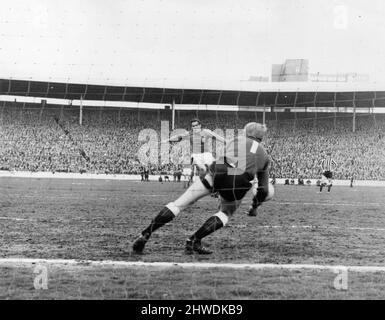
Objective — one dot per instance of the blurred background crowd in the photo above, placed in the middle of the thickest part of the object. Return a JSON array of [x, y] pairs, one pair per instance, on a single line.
[[31, 140]]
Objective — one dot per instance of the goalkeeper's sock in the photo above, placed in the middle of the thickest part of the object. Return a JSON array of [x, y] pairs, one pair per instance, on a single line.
[[212, 224], [163, 217]]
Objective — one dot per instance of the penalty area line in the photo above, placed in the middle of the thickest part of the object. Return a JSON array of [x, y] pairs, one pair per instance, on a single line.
[[27, 262], [320, 204], [13, 219], [315, 227]]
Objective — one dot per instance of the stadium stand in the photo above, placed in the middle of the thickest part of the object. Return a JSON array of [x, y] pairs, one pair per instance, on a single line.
[[30, 140]]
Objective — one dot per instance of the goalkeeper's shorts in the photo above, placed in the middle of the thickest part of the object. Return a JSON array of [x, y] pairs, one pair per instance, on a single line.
[[231, 187]]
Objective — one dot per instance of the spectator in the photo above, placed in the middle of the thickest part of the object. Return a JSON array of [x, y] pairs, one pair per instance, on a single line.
[[31, 141]]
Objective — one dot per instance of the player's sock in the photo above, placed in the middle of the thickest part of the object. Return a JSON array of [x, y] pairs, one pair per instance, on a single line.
[[212, 224], [321, 187], [329, 187], [168, 213]]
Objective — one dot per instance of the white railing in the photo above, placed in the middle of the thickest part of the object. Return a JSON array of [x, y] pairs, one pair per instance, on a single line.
[[133, 177]]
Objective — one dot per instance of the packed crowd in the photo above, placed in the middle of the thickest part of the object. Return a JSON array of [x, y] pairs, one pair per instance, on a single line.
[[31, 140]]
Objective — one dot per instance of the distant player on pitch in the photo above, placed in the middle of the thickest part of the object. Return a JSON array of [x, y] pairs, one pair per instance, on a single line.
[[230, 175], [327, 165]]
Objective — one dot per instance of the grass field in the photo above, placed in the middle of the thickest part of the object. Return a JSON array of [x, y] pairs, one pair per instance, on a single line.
[[98, 220]]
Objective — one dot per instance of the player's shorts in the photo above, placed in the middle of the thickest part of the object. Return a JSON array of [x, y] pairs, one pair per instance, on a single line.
[[328, 174], [202, 159], [327, 177], [187, 172], [231, 187]]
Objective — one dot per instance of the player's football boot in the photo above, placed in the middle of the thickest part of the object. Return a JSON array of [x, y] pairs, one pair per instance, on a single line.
[[195, 246], [252, 212], [140, 243]]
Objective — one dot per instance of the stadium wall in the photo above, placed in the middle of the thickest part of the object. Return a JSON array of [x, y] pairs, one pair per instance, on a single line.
[[132, 177]]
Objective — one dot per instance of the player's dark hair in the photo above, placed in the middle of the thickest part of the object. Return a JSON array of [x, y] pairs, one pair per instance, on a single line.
[[195, 120]]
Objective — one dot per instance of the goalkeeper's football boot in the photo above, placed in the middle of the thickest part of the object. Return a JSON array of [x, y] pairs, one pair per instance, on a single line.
[[252, 212], [195, 246], [140, 243]]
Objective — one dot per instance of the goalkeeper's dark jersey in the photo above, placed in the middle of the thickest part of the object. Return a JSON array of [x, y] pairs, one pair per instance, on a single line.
[[244, 159], [247, 155]]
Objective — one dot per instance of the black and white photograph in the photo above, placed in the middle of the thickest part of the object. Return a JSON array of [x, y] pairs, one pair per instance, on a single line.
[[209, 152]]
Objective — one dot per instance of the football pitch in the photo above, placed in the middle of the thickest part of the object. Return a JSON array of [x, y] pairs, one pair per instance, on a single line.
[[81, 231]]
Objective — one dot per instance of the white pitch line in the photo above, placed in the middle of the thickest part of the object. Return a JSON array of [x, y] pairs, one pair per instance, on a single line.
[[321, 227], [13, 219], [26, 262], [357, 204], [349, 204], [260, 226], [332, 204], [320, 204]]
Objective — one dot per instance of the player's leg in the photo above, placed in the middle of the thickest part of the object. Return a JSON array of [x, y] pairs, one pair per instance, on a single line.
[[330, 184], [196, 191], [261, 194], [323, 182], [230, 199], [212, 224]]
